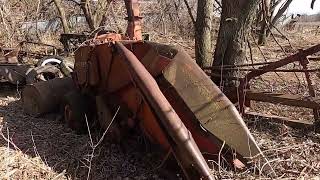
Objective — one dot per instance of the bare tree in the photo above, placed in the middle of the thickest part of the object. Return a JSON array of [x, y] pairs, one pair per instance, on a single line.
[[266, 18], [94, 17], [62, 14], [94, 11], [282, 10], [190, 12], [13, 14], [203, 27], [234, 27], [312, 3], [268, 8]]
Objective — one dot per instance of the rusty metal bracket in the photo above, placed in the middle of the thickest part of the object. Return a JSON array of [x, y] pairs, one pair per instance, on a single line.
[[245, 95], [301, 57]]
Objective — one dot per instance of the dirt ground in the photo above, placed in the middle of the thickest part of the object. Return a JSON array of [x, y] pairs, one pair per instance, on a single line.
[[44, 148]]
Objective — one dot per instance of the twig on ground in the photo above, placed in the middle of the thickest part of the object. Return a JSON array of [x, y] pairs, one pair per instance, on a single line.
[[94, 146], [219, 156]]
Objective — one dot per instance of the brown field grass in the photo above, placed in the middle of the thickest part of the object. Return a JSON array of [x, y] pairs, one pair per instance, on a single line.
[[44, 148]]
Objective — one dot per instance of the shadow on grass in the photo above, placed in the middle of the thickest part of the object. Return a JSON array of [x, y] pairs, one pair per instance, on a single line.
[[64, 151]]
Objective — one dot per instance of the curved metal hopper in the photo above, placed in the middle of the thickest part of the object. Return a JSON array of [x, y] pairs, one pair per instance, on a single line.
[[210, 106]]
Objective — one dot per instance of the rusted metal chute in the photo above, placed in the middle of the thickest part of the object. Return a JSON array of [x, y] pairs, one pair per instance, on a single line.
[[181, 136]]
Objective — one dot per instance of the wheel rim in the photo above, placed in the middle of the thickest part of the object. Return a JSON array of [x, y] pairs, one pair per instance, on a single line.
[[47, 76], [52, 61], [56, 62]]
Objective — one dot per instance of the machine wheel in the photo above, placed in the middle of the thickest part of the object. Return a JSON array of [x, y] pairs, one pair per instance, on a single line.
[[42, 73], [76, 108], [52, 60], [66, 67]]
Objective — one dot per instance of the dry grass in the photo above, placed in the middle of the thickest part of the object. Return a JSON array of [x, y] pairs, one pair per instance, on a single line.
[[17, 165], [293, 153], [44, 148]]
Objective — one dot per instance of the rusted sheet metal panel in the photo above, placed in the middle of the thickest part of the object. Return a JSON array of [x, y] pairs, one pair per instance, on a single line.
[[206, 142], [171, 121], [98, 66], [210, 106]]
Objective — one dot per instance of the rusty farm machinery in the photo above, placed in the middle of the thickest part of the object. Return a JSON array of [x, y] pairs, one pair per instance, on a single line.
[[243, 95], [31, 62], [155, 87]]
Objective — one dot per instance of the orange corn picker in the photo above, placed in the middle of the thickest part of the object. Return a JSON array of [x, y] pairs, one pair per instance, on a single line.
[[161, 89]]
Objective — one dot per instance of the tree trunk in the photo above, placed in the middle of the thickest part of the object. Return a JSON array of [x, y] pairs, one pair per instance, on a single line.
[[264, 25], [283, 9], [234, 27], [203, 42], [263, 33], [99, 16], [312, 3], [62, 16], [275, 19], [190, 12], [273, 5], [84, 5]]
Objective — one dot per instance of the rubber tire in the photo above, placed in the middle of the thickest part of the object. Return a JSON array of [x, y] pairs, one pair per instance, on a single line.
[[76, 107], [44, 59]]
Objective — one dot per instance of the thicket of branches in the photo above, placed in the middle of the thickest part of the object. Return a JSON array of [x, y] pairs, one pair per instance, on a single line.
[[40, 20], [25, 20]]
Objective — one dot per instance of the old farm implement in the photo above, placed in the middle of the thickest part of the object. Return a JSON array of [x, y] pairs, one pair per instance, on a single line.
[[244, 95], [30, 62], [158, 88]]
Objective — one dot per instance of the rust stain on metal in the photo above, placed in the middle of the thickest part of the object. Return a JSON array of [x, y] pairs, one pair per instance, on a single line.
[[165, 112], [152, 81]]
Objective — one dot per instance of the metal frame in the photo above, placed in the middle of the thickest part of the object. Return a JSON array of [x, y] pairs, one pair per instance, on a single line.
[[245, 95], [13, 68]]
